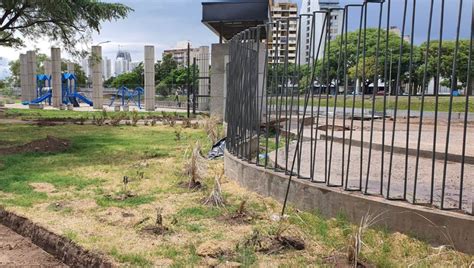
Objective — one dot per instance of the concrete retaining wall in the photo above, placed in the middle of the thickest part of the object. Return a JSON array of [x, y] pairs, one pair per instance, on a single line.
[[431, 225]]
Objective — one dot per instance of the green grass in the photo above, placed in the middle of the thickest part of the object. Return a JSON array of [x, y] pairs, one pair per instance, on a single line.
[[103, 149], [199, 212], [429, 104], [130, 258], [129, 202], [89, 175], [28, 114]]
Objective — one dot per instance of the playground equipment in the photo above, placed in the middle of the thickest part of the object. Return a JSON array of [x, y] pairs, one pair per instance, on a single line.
[[68, 90], [126, 95]]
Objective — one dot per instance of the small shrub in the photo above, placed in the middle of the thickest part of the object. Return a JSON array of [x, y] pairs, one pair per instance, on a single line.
[[115, 119], [135, 117]]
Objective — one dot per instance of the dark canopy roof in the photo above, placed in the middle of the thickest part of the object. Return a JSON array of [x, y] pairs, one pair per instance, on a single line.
[[227, 18]]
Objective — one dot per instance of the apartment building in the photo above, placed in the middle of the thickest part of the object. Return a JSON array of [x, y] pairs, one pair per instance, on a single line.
[[319, 33], [284, 33]]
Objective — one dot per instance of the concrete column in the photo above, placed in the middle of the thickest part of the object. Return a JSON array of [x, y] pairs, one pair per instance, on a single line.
[[97, 83], [149, 78], [31, 71], [203, 67], [24, 78], [262, 81], [56, 76], [219, 54]]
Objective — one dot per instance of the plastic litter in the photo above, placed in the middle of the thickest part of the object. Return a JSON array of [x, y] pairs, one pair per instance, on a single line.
[[217, 150]]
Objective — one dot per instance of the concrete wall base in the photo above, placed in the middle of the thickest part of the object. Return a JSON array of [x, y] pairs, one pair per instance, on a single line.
[[429, 224]]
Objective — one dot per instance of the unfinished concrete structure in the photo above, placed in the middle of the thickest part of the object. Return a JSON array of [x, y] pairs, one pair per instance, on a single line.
[[56, 76], [24, 78], [149, 73], [219, 58], [225, 23], [202, 62], [31, 75], [97, 87]]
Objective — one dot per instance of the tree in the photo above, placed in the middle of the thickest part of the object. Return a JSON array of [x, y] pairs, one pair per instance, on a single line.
[[165, 68], [332, 68], [446, 63], [70, 22], [130, 80]]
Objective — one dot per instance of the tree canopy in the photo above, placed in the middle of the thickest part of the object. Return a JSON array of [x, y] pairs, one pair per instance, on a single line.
[[70, 22]]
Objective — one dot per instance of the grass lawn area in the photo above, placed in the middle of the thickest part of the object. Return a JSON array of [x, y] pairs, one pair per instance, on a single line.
[[430, 103], [27, 114], [73, 194]]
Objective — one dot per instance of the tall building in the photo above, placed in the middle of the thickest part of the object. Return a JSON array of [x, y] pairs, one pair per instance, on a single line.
[[285, 36], [335, 27], [106, 68], [86, 66], [122, 62], [180, 53]]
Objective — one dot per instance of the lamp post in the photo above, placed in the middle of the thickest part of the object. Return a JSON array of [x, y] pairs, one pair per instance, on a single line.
[[103, 42]]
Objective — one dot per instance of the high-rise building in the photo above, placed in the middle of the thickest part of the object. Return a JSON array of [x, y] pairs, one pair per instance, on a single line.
[[180, 53], [283, 42], [122, 62], [335, 27], [106, 68]]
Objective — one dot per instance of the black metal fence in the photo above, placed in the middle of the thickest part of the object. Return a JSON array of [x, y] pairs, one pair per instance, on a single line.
[[371, 97]]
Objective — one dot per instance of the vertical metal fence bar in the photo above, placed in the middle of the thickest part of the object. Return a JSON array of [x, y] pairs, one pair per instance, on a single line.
[[451, 96], [374, 93], [324, 36], [422, 107], [386, 76], [410, 85], [436, 91], [351, 133], [337, 84], [468, 92], [397, 93]]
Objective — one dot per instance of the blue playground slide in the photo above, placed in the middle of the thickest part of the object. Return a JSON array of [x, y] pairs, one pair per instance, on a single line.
[[42, 98], [83, 99]]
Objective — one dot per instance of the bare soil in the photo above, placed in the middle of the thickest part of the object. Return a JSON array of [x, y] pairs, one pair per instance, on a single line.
[[16, 250], [49, 145], [62, 248]]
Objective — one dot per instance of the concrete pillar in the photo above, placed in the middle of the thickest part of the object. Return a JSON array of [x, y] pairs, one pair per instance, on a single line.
[[149, 78], [56, 76], [219, 59], [262, 81], [24, 78], [31, 71], [203, 67], [97, 83]]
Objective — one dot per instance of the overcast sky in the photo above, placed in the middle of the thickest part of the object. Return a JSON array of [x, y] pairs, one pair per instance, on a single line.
[[164, 23]]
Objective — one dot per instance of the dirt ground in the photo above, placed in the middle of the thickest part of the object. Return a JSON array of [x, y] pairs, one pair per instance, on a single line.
[[49, 145], [16, 250]]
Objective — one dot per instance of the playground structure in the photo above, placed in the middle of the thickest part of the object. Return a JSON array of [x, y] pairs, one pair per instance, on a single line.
[[126, 96], [58, 88], [69, 93]]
